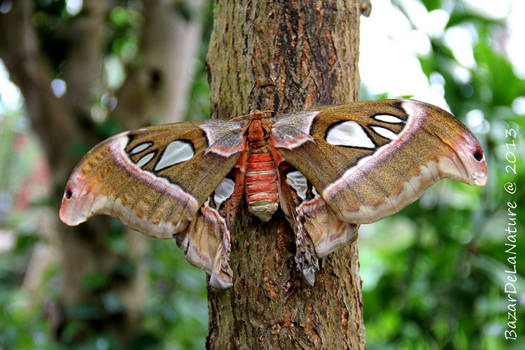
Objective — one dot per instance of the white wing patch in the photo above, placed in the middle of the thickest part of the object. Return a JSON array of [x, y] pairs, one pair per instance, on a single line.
[[223, 191], [145, 159], [176, 152], [388, 118], [298, 182], [413, 123], [349, 133], [386, 133], [139, 148]]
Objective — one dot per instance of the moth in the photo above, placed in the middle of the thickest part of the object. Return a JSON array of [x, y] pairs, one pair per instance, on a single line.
[[329, 169]]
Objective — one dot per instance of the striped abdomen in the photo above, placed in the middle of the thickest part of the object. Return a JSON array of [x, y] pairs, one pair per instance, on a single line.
[[261, 184]]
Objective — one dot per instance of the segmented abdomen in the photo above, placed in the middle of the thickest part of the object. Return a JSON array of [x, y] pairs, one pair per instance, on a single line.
[[261, 185]]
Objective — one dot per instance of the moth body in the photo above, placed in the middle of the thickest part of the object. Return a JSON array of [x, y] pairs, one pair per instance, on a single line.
[[328, 169], [261, 175]]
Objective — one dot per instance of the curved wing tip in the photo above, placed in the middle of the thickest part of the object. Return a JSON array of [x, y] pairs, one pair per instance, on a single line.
[[68, 215], [69, 219], [480, 179]]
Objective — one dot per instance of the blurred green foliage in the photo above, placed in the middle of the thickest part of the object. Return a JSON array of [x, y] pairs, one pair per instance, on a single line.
[[433, 274], [175, 314]]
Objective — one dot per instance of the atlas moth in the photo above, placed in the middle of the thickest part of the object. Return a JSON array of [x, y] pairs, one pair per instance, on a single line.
[[329, 169]]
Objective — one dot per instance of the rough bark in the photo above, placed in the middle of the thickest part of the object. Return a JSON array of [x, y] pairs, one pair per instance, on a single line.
[[284, 56], [62, 122]]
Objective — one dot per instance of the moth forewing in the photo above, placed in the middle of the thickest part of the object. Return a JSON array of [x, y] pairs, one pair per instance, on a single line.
[[414, 145]]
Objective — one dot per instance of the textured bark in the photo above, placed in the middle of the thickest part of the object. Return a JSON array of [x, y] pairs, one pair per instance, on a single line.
[[284, 56]]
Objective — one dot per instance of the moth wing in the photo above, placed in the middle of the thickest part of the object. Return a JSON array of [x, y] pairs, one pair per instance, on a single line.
[[153, 179], [206, 245], [370, 159], [207, 239], [318, 230]]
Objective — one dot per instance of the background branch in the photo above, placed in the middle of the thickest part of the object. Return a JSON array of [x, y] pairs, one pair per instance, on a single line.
[[50, 117]]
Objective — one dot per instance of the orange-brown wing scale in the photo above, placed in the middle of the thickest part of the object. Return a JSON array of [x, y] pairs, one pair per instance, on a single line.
[[156, 180], [369, 159]]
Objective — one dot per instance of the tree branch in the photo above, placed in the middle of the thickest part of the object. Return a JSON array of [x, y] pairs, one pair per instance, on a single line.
[[50, 117], [158, 89], [83, 66]]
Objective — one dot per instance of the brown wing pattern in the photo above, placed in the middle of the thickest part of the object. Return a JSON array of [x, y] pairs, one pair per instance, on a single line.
[[153, 179], [338, 167], [318, 230], [370, 159]]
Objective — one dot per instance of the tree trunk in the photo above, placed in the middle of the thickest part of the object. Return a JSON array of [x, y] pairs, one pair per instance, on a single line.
[[284, 56]]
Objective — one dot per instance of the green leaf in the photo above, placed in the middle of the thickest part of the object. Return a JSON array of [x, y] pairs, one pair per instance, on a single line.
[[460, 17], [432, 4], [185, 10], [120, 16], [496, 75], [24, 242], [83, 311], [95, 281]]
